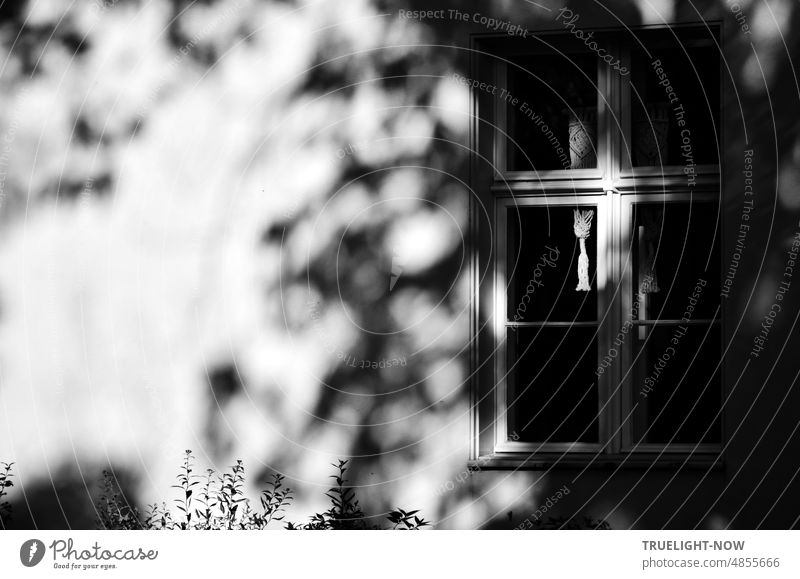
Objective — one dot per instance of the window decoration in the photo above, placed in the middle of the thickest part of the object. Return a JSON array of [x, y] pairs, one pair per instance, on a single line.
[[649, 233], [650, 136], [581, 128], [582, 226]]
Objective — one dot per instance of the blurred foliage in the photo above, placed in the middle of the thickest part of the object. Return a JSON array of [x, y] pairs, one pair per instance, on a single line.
[[200, 205]]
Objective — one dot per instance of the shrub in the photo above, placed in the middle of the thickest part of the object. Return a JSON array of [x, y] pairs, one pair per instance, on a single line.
[[5, 482], [575, 523], [113, 510], [215, 501], [345, 512]]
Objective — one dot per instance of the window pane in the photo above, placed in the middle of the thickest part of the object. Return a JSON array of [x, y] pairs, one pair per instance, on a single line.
[[552, 393], [675, 389], [554, 117], [543, 254], [674, 101], [675, 260]]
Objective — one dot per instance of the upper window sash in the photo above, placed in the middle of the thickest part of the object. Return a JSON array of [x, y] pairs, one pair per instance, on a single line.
[[671, 102], [624, 123]]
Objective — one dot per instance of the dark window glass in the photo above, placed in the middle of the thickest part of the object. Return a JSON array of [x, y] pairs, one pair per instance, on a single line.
[[676, 386], [554, 122], [674, 102], [674, 252], [542, 269], [552, 394]]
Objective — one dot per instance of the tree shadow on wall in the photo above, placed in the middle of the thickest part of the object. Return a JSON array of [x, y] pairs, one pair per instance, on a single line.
[[67, 501]]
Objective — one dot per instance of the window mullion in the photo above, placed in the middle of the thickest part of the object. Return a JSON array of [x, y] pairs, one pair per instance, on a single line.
[[606, 95], [610, 314], [611, 96]]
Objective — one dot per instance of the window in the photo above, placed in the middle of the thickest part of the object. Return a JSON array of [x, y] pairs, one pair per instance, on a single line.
[[610, 168]]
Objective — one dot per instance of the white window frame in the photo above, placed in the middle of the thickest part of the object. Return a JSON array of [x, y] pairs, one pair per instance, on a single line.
[[613, 188]]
